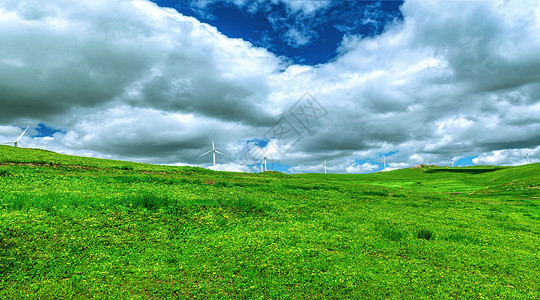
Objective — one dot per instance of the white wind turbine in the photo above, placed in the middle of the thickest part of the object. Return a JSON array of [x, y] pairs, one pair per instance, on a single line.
[[264, 161], [214, 151], [452, 160], [325, 166], [16, 142], [384, 162], [527, 156]]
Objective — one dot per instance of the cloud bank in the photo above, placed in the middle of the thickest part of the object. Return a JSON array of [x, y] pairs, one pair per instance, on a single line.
[[130, 80]]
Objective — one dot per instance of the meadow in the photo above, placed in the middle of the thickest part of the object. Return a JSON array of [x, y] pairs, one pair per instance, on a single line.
[[79, 228]]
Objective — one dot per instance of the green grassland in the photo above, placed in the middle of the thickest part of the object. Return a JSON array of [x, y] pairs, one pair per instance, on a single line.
[[78, 228]]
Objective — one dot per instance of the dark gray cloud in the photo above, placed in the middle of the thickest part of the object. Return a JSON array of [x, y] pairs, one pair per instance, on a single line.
[[90, 55]]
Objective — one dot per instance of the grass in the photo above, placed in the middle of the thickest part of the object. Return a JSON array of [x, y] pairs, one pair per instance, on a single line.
[[75, 227]]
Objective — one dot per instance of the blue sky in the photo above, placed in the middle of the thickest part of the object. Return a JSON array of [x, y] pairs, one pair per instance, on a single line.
[[320, 32], [137, 80], [43, 130]]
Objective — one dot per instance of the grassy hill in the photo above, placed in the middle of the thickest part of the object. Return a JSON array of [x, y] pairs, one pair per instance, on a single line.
[[77, 228]]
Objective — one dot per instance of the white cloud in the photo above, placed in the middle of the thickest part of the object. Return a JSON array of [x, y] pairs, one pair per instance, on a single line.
[[129, 80], [495, 157], [10, 131], [312, 169], [511, 157], [398, 165], [234, 167], [361, 168], [298, 37], [305, 7]]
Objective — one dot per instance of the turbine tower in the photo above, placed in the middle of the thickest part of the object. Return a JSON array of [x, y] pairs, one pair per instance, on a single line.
[[16, 142], [527, 155], [325, 166], [452, 162], [213, 151], [264, 158], [384, 162]]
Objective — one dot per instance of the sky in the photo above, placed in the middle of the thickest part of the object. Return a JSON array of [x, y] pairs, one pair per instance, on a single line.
[[299, 82]]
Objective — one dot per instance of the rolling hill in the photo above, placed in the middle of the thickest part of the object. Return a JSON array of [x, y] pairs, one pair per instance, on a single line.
[[76, 227]]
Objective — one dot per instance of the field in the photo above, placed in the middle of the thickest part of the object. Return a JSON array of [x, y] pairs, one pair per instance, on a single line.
[[78, 228]]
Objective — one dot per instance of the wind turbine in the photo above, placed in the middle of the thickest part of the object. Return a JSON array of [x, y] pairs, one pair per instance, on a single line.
[[452, 162], [527, 156], [213, 151], [384, 162], [325, 166], [264, 157], [16, 142]]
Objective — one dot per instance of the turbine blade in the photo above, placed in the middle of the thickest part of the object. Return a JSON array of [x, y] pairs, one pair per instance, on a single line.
[[213, 147], [220, 152], [205, 153], [20, 136]]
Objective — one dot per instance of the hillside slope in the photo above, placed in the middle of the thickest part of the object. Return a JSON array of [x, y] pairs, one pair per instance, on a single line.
[[74, 227]]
